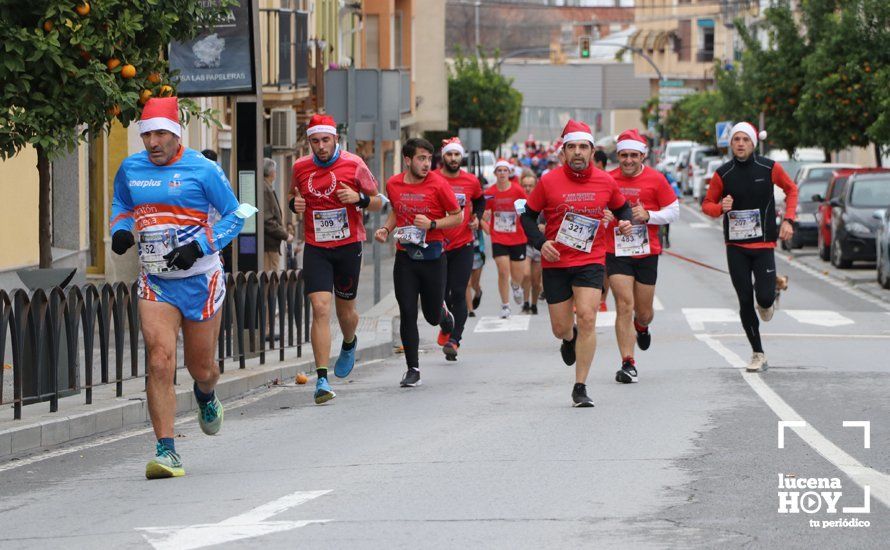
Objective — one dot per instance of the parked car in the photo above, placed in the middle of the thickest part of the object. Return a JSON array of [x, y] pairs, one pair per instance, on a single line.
[[671, 154], [801, 157], [823, 212], [806, 233], [713, 164], [811, 172], [698, 168], [882, 250], [486, 162], [854, 221]]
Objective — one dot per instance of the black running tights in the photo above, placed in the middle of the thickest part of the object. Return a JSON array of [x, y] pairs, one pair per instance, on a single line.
[[759, 263], [460, 267], [413, 278]]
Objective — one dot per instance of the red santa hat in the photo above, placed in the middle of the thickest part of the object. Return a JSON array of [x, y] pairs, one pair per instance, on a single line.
[[321, 124], [631, 140], [161, 113], [502, 163], [749, 130], [453, 144], [576, 131]]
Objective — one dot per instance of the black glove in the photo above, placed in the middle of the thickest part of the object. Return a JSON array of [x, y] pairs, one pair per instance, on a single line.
[[121, 241], [184, 256], [290, 204]]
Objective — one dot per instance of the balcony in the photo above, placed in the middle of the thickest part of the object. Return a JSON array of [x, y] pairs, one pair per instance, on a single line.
[[704, 56], [285, 49]]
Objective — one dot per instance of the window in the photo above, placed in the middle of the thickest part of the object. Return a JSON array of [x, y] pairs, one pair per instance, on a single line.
[[684, 40], [397, 38], [705, 40], [372, 41]]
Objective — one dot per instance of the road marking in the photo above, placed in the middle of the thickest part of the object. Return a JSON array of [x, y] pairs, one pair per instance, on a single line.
[[250, 524], [698, 316], [702, 225], [496, 324], [819, 317], [605, 319], [656, 304], [855, 470], [842, 285], [806, 335]]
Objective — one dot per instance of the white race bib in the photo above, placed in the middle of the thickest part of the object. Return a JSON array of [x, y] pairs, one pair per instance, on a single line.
[[461, 199], [577, 231], [153, 246], [634, 244], [505, 222], [744, 224], [330, 225], [409, 234]]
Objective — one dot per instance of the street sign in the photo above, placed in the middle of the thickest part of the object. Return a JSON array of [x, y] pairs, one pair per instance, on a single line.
[[723, 133], [471, 138]]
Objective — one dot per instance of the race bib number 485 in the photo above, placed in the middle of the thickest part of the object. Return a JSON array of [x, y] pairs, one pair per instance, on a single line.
[[577, 231]]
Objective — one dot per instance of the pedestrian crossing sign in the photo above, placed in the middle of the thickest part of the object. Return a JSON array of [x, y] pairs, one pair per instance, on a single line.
[[723, 130]]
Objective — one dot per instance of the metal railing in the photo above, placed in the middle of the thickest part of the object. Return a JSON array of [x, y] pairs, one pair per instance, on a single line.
[[46, 331]]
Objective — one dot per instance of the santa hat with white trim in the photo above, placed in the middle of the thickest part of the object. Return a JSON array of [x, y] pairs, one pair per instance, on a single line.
[[321, 124], [502, 163], [631, 140], [453, 144], [749, 130], [161, 113], [576, 131]]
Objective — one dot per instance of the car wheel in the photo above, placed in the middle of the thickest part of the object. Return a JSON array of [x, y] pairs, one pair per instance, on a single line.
[[837, 256], [824, 249]]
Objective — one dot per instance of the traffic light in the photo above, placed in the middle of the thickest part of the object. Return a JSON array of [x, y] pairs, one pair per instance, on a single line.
[[584, 47]]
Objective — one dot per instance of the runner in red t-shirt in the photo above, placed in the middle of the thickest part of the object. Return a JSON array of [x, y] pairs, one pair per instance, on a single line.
[[329, 189], [632, 262], [459, 243], [423, 207], [574, 199], [508, 239]]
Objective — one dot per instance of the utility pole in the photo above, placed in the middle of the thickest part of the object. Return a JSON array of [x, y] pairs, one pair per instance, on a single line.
[[476, 6]]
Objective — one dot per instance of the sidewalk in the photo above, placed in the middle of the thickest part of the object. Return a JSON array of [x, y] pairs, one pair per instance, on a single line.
[[41, 429]]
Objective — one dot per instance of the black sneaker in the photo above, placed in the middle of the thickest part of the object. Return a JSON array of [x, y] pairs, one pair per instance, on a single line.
[[477, 299], [447, 322], [525, 307], [450, 350], [471, 314], [644, 339], [579, 396], [534, 309], [628, 372], [567, 349], [411, 378]]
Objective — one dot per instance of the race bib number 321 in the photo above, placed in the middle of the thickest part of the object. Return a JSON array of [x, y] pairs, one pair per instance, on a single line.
[[577, 231]]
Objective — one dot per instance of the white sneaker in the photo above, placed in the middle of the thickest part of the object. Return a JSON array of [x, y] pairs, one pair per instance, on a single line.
[[758, 363], [766, 313], [517, 294], [505, 312]]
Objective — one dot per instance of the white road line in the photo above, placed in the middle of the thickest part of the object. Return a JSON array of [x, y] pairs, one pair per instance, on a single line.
[[819, 317], [605, 319], [496, 324], [701, 225], [656, 304], [834, 282], [862, 475], [698, 316], [250, 524], [698, 214], [807, 335]]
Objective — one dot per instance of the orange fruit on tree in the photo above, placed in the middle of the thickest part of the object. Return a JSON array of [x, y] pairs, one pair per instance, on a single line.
[[128, 71], [114, 110], [302, 378], [144, 96], [47, 25], [166, 91], [113, 63], [82, 9], [154, 78]]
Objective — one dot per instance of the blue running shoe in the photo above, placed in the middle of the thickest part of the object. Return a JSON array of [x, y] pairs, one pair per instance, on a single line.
[[346, 360], [210, 416], [323, 391]]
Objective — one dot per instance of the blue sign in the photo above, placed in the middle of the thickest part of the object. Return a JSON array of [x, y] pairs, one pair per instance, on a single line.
[[723, 133]]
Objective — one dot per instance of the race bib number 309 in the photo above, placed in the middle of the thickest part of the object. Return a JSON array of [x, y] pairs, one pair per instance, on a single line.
[[330, 225]]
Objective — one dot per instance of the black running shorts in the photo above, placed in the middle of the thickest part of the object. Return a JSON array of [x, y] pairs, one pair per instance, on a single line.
[[558, 281], [516, 251], [333, 269], [643, 270]]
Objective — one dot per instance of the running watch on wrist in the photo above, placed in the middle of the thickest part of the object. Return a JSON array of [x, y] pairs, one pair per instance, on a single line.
[[432, 225], [363, 200]]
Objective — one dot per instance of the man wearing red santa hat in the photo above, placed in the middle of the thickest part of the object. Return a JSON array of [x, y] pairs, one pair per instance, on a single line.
[[184, 212], [329, 188], [632, 261], [574, 199]]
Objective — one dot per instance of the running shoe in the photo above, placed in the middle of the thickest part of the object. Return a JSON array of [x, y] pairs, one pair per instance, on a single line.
[[517, 294], [505, 312], [346, 360], [758, 363], [447, 322], [411, 378], [323, 391], [534, 309], [603, 306], [443, 337], [525, 307], [166, 463], [477, 298], [567, 349], [471, 314], [210, 416], [644, 339], [628, 372], [766, 313], [450, 350], [579, 396]]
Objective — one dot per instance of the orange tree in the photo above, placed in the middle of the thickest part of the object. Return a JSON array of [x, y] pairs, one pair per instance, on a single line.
[[68, 68]]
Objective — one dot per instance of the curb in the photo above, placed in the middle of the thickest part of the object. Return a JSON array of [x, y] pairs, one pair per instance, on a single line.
[[133, 411]]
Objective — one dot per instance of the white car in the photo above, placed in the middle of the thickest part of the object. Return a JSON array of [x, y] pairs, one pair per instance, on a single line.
[[486, 161], [713, 164], [671, 155]]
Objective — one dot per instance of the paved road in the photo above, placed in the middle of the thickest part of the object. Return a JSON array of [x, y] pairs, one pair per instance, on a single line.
[[488, 452]]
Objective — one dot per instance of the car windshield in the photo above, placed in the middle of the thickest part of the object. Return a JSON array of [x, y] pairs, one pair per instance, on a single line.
[[838, 188], [820, 174], [700, 155], [674, 150], [870, 193], [806, 191]]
